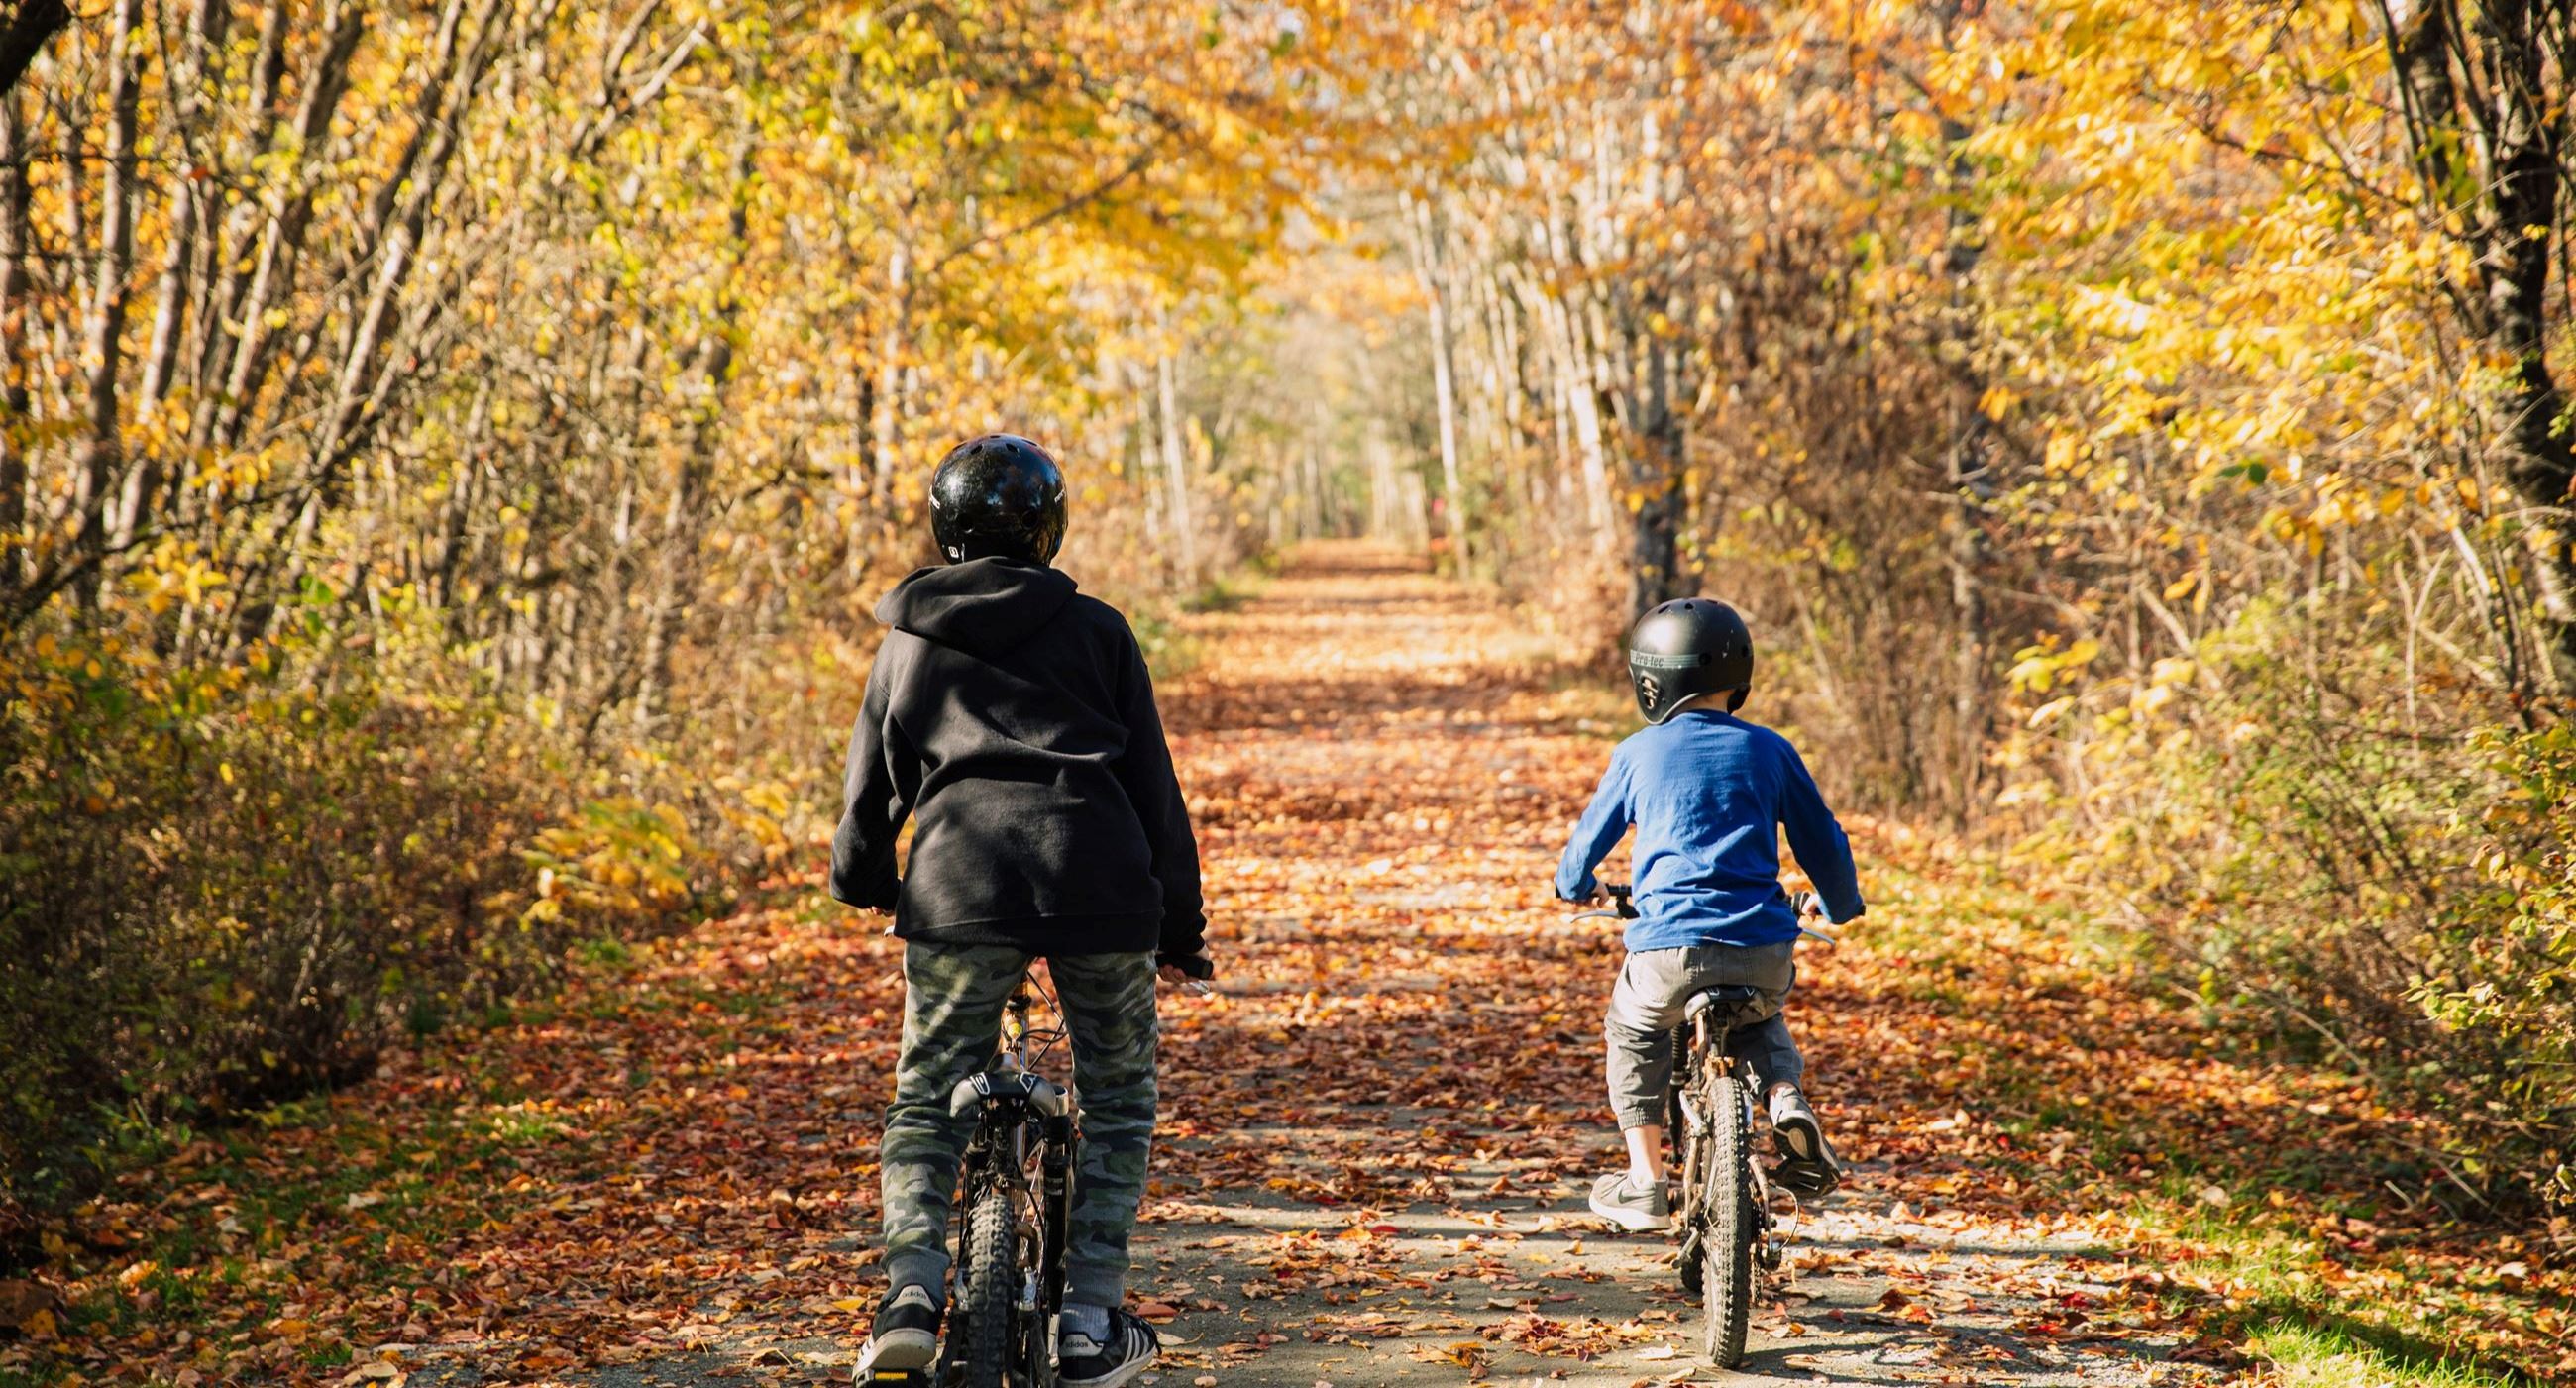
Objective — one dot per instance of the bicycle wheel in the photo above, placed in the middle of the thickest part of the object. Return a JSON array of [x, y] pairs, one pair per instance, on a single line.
[[988, 1302], [1730, 1224], [1035, 1367], [1690, 1157], [1675, 1120]]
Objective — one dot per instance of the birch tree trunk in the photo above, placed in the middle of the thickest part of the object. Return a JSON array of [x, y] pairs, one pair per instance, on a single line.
[[684, 519], [103, 347], [1176, 470], [1424, 236]]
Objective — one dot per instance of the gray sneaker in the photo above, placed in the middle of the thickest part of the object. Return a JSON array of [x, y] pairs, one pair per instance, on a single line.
[[1811, 1168], [1643, 1208]]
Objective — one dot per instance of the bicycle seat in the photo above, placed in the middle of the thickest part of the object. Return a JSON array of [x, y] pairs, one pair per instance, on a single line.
[[1732, 997], [974, 1091]]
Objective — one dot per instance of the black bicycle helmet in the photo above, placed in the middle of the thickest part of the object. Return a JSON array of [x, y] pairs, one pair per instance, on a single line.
[[1687, 648], [998, 496]]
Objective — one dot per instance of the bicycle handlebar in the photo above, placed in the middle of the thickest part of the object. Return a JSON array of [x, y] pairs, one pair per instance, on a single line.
[[1807, 905], [1622, 906]]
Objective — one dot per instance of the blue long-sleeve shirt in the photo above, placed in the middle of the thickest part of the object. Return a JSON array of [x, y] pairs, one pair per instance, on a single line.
[[1708, 793]]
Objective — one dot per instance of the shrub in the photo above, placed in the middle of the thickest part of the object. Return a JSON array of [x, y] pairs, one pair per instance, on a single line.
[[2505, 986], [2380, 881], [220, 892]]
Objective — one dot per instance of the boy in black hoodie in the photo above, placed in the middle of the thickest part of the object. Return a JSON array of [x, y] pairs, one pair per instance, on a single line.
[[1014, 720]]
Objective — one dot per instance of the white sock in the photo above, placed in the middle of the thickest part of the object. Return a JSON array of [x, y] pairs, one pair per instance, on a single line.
[[1080, 1319]]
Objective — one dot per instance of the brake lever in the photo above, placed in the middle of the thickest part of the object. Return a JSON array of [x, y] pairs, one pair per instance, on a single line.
[[1622, 905], [1806, 906]]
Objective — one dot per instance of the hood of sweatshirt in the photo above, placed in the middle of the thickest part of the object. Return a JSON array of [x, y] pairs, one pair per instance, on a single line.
[[980, 606]]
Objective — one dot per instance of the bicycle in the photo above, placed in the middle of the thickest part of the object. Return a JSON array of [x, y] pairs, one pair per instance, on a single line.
[[1016, 1194], [1729, 1236], [1016, 1190]]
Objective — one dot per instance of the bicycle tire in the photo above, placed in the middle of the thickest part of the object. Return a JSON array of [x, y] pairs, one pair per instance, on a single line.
[[1731, 1224], [1689, 1154], [989, 1302], [1676, 1120]]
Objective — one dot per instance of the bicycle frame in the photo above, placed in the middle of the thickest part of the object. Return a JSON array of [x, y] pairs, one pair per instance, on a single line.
[[1733, 1207], [1023, 1145], [1694, 1042]]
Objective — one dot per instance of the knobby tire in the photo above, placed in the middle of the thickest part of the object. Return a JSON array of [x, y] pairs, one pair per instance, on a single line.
[[990, 1301], [1690, 1157], [1730, 1223]]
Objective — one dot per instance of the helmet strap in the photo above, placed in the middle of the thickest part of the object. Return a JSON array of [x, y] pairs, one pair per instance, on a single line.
[[967, 549]]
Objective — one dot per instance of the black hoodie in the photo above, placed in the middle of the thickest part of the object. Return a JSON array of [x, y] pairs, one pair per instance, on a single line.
[[1014, 717]]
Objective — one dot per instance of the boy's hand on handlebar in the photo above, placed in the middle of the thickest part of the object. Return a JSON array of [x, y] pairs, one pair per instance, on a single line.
[[1808, 905], [1185, 969]]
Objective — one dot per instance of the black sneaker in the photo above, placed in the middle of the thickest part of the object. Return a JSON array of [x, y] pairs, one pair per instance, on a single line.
[[906, 1333], [1083, 1362], [1811, 1168]]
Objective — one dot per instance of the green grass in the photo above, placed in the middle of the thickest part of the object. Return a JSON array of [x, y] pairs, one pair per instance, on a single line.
[[2334, 1354], [1171, 651], [193, 1261], [1226, 592], [1599, 707], [2313, 1311], [2288, 1312]]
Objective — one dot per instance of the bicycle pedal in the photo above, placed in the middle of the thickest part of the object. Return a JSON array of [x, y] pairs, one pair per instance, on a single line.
[[898, 1378]]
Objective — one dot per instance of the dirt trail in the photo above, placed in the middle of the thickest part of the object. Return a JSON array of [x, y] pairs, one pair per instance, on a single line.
[[1376, 1140], [1385, 1130]]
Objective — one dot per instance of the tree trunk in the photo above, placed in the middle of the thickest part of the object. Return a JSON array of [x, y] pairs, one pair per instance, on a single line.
[[2499, 113], [1426, 269], [684, 522], [102, 453], [33, 22], [281, 245], [1968, 462], [206, 22], [1656, 478], [1176, 474], [14, 237]]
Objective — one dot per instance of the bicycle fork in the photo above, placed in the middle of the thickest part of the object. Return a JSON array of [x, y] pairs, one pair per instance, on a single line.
[[1702, 1037], [1055, 1182], [1769, 1248]]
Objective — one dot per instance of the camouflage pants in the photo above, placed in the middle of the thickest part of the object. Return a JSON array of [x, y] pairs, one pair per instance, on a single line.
[[952, 1018]]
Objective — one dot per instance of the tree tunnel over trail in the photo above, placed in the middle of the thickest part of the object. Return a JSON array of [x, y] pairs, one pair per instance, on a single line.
[[1375, 1139], [449, 452]]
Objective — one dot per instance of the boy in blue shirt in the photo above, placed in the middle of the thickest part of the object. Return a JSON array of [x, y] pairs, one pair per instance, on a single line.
[[1708, 795]]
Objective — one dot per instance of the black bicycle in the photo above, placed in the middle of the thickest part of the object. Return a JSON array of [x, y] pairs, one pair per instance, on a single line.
[[1016, 1193], [1729, 1236]]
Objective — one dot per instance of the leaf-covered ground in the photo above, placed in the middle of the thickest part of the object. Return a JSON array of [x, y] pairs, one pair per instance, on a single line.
[[1376, 1138]]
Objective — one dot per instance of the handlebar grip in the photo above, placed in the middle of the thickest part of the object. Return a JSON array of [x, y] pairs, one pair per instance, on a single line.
[[1198, 967]]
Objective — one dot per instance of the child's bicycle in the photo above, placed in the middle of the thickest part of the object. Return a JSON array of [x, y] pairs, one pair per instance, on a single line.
[[1016, 1184], [1729, 1237]]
